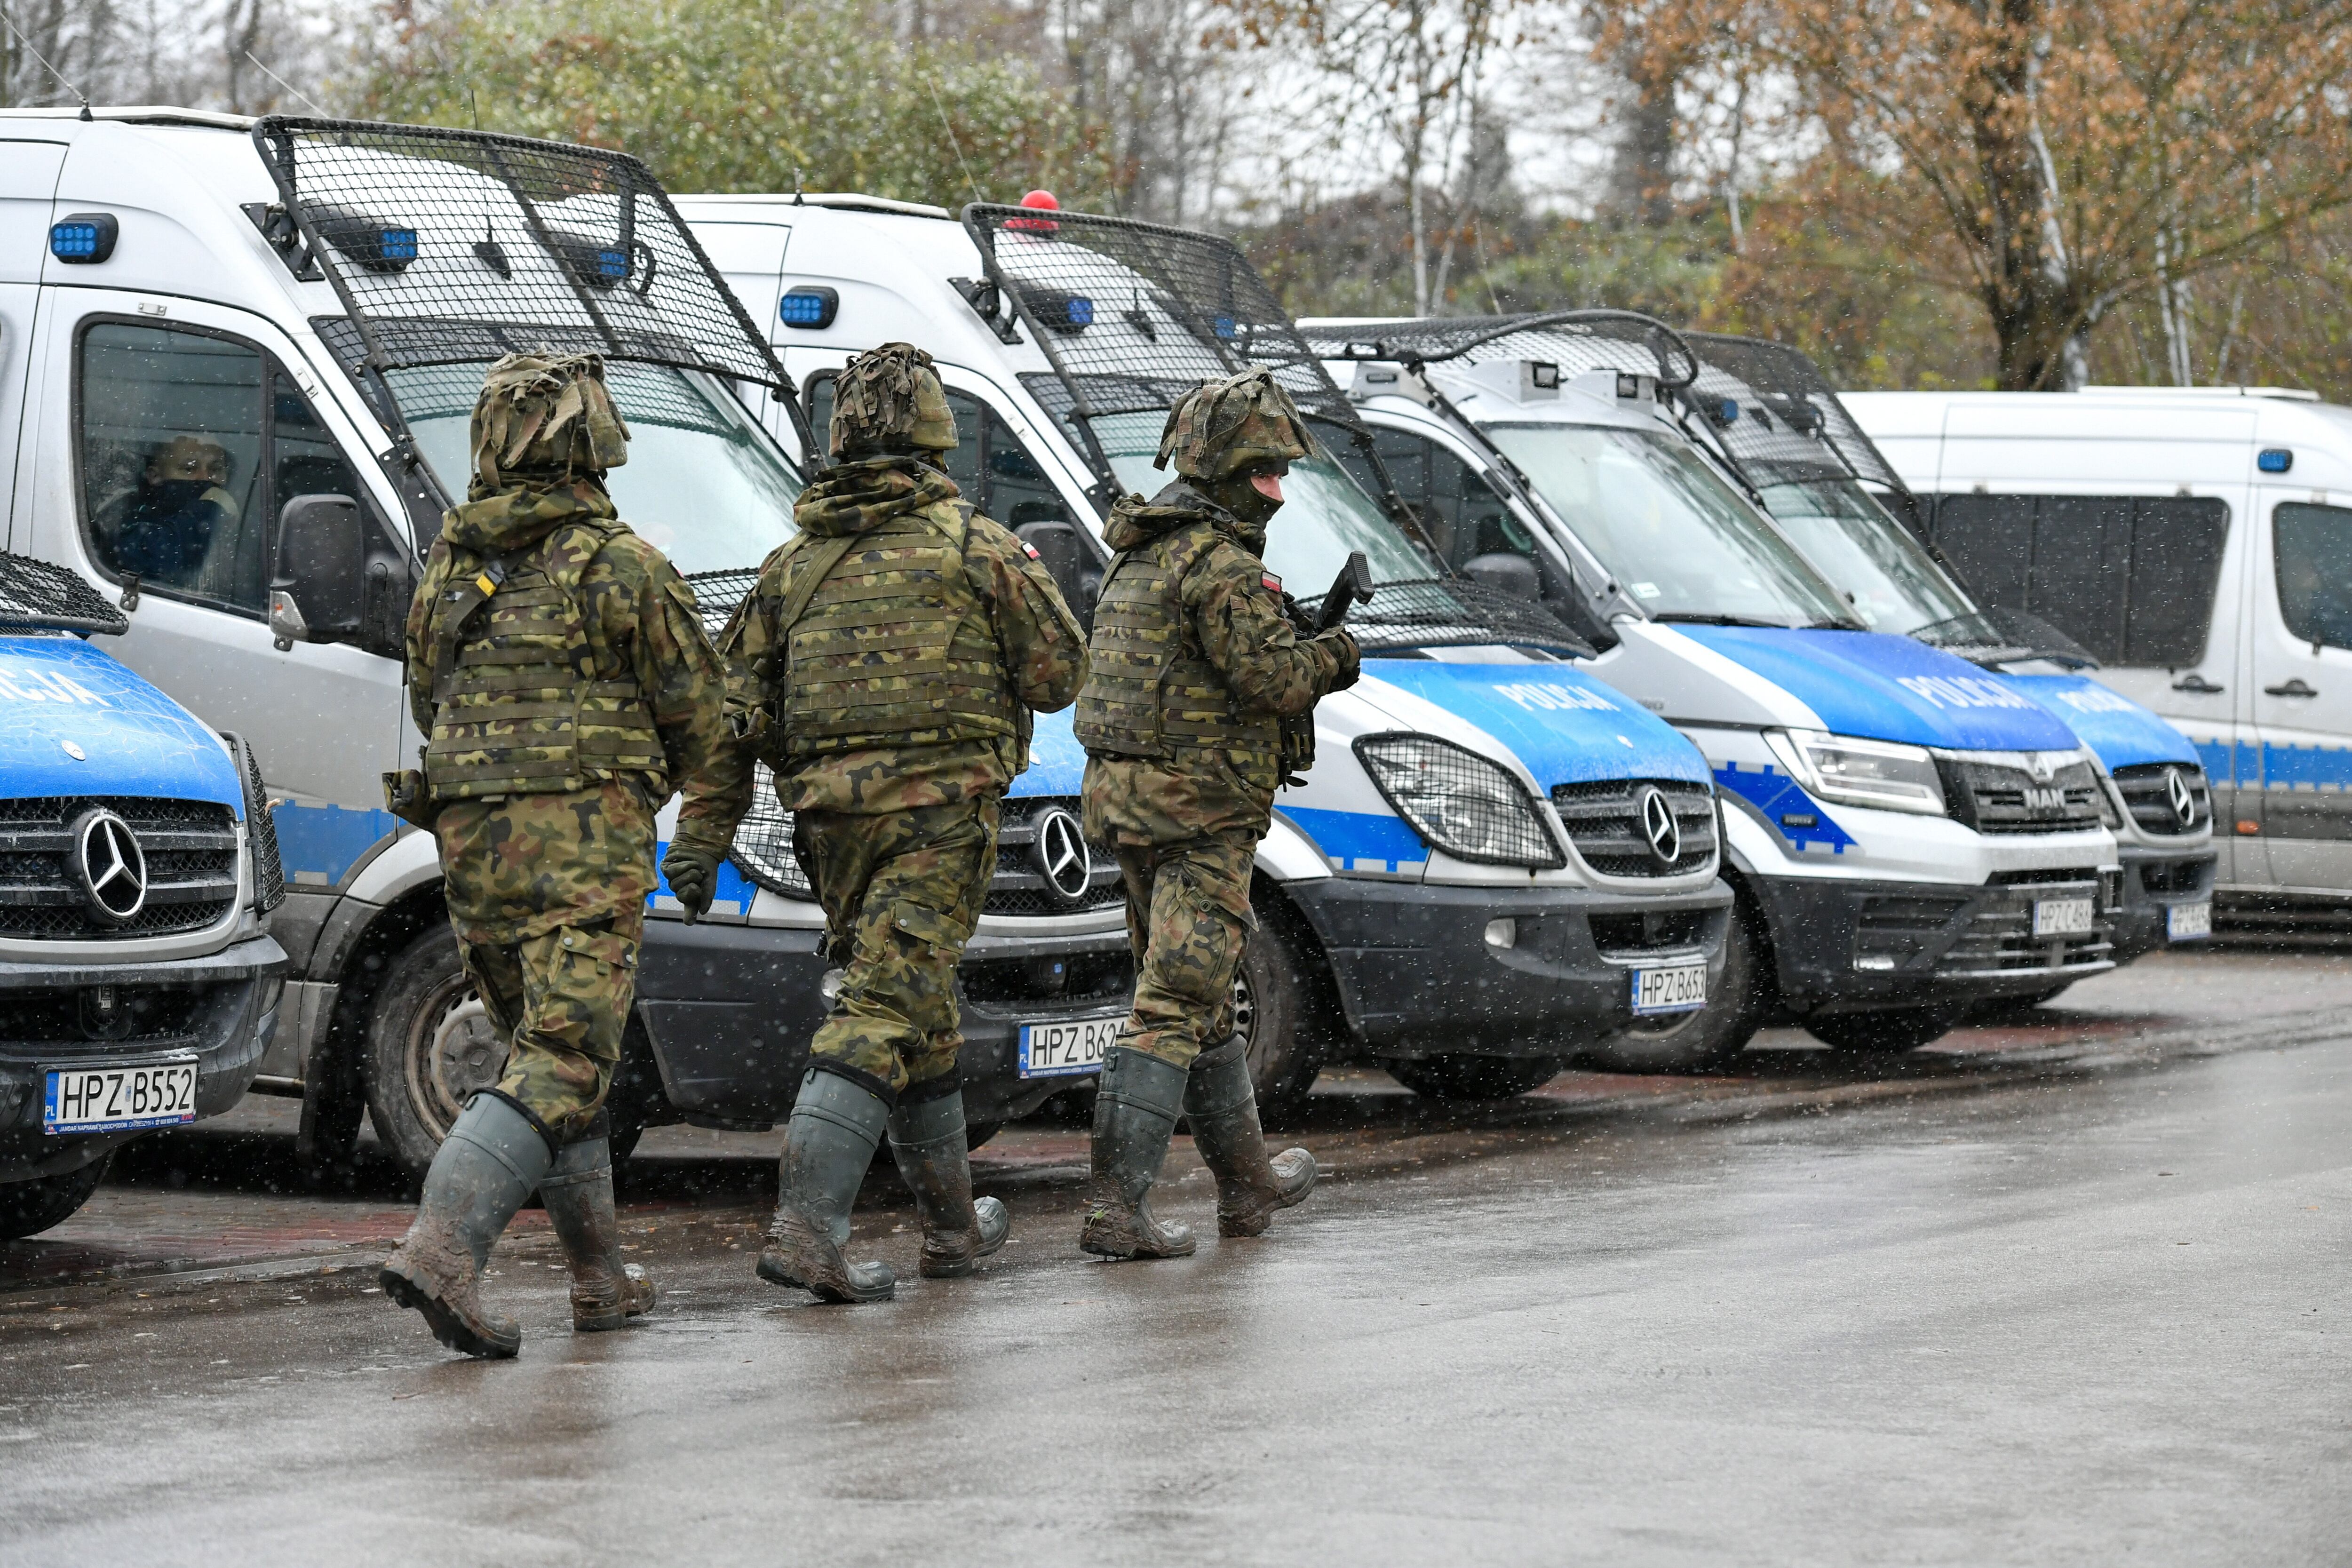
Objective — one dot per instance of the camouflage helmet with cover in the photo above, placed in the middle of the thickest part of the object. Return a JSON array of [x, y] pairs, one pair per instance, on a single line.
[[1224, 428], [545, 414], [889, 400]]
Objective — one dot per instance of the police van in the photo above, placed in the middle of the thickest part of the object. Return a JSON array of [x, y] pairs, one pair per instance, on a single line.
[[1495, 862], [241, 359], [1909, 839], [2195, 539], [138, 983], [1775, 428]]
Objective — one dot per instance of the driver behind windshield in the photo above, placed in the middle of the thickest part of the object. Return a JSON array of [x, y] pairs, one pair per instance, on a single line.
[[183, 501]]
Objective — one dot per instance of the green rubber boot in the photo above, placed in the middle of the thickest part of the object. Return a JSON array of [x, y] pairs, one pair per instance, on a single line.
[[828, 1143], [578, 1192], [487, 1165], [1222, 1106], [927, 1140], [1136, 1106]]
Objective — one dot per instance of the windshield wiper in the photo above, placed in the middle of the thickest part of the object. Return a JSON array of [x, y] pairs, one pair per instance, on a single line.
[[1692, 618]]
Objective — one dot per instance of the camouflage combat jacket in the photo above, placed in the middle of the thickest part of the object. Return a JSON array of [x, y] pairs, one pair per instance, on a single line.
[[945, 749], [575, 841], [1180, 717]]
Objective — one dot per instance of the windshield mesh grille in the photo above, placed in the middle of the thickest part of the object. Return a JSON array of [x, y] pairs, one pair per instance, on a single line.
[[38, 595], [460, 245], [1575, 341], [1788, 426]]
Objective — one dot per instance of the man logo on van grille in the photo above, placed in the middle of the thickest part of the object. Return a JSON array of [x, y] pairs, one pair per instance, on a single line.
[[112, 869], [1062, 858], [2183, 799], [1659, 829]]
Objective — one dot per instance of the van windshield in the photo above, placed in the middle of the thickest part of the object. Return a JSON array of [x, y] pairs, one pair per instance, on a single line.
[[1894, 583], [1682, 543], [704, 483], [1325, 514]]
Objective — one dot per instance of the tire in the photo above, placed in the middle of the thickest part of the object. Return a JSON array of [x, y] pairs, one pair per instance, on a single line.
[[1894, 1030], [1452, 1078], [429, 1046], [1712, 1039], [1271, 1004], [28, 1208]]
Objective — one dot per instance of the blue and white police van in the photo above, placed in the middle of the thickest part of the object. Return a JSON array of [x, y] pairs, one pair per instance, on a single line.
[[241, 359], [1908, 836], [1496, 862], [1770, 420], [138, 983]]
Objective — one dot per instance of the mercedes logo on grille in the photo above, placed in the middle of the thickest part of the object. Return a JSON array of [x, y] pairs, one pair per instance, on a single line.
[[1660, 831], [110, 867], [1062, 858], [2183, 799]]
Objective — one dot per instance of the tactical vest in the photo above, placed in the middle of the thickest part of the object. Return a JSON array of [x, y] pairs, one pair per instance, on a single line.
[[1151, 692], [893, 647], [518, 709]]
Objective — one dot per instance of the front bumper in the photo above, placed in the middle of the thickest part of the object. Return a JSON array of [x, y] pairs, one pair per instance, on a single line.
[[1417, 976], [2154, 881], [1858, 946], [220, 1009], [729, 1011]]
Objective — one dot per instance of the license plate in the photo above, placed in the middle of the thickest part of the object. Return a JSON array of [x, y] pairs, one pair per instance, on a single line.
[[1676, 990], [1067, 1044], [2187, 922], [120, 1099], [2062, 917]]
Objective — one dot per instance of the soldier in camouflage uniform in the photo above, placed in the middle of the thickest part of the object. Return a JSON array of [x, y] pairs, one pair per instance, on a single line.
[[558, 667], [888, 659], [1197, 663]]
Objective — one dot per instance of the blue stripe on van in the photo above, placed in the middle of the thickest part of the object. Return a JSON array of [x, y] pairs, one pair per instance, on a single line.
[[1779, 797], [319, 845], [1360, 840], [2313, 768]]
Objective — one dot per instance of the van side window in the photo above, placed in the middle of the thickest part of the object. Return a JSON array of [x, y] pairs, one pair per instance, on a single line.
[[2311, 549], [988, 464], [1462, 514], [189, 444], [2132, 578]]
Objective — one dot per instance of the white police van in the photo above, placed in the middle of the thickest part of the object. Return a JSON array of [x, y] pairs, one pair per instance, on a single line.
[[242, 357], [138, 982], [2195, 539], [1770, 420], [1495, 862], [1909, 837]]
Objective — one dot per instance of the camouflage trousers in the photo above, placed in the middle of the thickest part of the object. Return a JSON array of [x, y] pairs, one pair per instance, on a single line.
[[902, 891], [1187, 921], [561, 999]]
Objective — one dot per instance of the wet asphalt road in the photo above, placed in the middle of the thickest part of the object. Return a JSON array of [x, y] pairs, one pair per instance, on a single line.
[[2072, 1292]]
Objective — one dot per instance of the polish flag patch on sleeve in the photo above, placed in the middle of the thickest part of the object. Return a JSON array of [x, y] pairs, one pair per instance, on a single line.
[[1031, 550], [1273, 583]]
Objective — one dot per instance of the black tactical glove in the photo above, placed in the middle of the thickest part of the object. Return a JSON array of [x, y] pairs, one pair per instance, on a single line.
[[693, 873]]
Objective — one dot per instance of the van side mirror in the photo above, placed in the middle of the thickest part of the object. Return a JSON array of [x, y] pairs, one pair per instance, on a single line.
[[315, 592], [1067, 560], [1511, 573]]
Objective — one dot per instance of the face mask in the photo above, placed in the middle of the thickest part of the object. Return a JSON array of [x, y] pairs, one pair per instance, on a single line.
[[1244, 499], [179, 495]]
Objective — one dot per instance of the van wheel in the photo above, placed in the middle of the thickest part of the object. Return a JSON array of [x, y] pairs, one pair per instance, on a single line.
[[1270, 1005], [429, 1046], [1895, 1029], [1712, 1039], [28, 1208], [1463, 1076]]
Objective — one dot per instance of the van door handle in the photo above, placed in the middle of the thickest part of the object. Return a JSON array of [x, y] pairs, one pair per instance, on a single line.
[[2196, 682], [2294, 688]]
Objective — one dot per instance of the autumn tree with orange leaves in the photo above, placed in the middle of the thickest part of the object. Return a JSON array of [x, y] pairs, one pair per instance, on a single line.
[[2064, 156]]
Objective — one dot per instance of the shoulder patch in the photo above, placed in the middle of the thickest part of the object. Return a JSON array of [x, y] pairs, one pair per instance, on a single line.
[[1273, 583], [1031, 550]]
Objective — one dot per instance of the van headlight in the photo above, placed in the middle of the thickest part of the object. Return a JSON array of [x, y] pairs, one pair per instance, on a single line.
[[1878, 773], [1466, 805]]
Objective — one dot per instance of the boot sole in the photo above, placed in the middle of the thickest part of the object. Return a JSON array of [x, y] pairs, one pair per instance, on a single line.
[[834, 1289], [1125, 1245], [453, 1330]]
